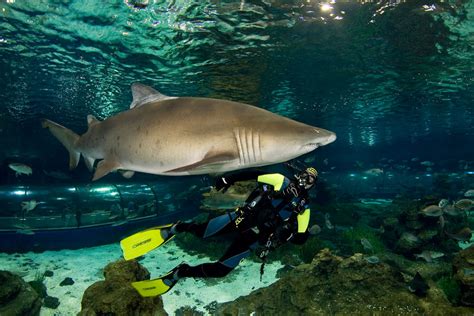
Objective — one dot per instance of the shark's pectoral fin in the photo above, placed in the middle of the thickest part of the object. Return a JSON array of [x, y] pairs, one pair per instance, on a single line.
[[104, 167], [212, 159], [143, 94], [127, 174]]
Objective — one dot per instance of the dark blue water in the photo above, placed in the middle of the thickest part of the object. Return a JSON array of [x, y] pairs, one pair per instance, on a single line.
[[394, 80]]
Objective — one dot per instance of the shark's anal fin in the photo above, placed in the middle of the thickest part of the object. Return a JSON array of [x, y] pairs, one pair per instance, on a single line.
[[104, 167], [211, 158]]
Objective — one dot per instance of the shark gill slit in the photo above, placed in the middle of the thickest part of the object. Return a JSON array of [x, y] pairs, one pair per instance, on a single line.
[[252, 145], [239, 145], [248, 136], [256, 146], [242, 143]]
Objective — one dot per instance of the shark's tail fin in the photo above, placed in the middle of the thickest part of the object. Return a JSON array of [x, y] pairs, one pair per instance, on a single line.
[[67, 137]]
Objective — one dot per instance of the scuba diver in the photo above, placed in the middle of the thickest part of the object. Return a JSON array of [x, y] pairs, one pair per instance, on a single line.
[[276, 212]]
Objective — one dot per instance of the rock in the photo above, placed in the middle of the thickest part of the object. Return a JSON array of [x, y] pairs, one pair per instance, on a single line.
[[51, 302], [116, 296], [67, 281], [331, 285], [463, 267], [48, 273], [39, 287], [17, 297], [126, 271]]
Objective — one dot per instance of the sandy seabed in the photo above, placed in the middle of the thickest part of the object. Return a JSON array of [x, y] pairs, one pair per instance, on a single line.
[[85, 266]]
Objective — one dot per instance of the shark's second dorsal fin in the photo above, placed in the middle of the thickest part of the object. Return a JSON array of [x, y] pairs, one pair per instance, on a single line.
[[91, 120], [143, 94]]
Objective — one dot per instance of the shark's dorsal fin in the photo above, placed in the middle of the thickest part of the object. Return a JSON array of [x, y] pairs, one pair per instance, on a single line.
[[91, 120], [143, 94]]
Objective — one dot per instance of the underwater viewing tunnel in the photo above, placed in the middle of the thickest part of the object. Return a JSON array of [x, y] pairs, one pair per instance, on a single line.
[[68, 216]]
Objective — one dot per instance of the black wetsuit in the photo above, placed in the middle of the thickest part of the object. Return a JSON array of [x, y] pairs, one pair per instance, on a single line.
[[268, 219]]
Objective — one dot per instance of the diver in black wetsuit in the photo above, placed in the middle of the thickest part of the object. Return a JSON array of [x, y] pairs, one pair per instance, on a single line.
[[275, 212]]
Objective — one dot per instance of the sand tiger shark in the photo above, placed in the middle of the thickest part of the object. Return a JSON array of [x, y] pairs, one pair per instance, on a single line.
[[178, 136]]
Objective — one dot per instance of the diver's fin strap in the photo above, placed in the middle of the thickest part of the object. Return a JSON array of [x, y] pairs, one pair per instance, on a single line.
[[143, 242]]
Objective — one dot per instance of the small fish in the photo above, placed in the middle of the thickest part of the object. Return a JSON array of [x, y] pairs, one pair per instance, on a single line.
[[372, 259], [429, 255], [326, 161], [451, 210], [464, 204], [427, 163], [418, 285], [468, 272], [314, 230], [432, 211], [442, 222], [327, 221], [464, 234], [415, 159], [469, 193], [20, 169], [28, 206], [366, 244], [374, 172], [443, 203]]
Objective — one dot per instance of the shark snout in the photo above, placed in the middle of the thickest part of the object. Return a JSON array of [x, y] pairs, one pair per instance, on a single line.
[[323, 137]]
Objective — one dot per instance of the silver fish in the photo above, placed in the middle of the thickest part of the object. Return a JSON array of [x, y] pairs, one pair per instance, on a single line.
[[429, 255], [366, 244], [327, 221], [469, 194], [315, 229], [180, 136], [432, 211], [20, 169], [464, 204]]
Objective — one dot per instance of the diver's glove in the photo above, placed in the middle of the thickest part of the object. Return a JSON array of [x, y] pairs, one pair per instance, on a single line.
[[223, 184]]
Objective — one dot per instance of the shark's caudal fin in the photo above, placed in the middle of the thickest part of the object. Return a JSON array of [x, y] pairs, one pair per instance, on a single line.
[[67, 137]]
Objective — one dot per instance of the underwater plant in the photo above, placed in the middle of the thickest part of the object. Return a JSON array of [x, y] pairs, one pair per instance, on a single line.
[[352, 238], [451, 288]]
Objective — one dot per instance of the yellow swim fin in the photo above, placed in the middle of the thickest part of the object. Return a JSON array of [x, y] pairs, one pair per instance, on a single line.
[[155, 287], [143, 242]]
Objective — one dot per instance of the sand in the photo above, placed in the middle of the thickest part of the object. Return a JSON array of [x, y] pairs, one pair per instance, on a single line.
[[84, 266]]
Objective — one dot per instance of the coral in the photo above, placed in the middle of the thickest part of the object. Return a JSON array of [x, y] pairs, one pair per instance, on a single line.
[[331, 285], [16, 296], [116, 296]]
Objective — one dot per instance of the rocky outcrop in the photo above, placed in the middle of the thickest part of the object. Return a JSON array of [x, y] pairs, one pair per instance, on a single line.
[[17, 297], [116, 296], [463, 266], [332, 285]]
